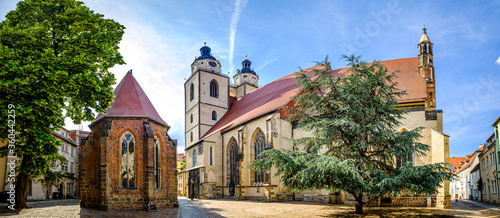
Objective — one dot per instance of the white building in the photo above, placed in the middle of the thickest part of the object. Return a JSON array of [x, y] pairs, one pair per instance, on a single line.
[[461, 187], [475, 173]]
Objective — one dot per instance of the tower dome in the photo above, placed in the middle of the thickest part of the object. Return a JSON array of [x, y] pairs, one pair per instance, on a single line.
[[246, 66], [206, 53]]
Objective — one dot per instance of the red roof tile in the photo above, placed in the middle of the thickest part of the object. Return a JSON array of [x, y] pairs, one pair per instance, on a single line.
[[278, 93], [456, 161], [130, 101]]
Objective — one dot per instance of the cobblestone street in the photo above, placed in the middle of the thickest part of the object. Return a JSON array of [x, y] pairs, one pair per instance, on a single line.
[[232, 208]]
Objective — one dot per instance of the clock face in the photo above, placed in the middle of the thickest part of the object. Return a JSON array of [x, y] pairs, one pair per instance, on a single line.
[[212, 64]]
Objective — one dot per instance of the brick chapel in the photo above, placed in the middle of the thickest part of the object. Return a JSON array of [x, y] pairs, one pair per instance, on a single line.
[[228, 125], [128, 161]]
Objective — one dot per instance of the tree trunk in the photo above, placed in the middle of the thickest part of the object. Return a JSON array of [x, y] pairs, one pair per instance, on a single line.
[[22, 185], [359, 203]]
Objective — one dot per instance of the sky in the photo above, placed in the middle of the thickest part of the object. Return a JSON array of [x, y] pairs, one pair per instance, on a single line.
[[162, 38]]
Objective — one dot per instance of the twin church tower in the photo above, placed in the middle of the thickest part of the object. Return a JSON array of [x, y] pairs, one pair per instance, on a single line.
[[209, 93]]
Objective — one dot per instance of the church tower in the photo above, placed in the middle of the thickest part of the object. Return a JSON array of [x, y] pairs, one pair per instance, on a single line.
[[426, 69], [206, 96], [245, 80]]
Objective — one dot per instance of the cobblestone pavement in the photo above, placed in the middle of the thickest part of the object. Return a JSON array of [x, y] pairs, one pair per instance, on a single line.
[[233, 208], [71, 208]]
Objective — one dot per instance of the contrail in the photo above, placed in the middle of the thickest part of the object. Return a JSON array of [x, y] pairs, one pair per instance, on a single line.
[[238, 8]]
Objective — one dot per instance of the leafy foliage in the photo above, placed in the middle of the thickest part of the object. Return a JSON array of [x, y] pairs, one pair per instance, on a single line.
[[54, 61], [353, 145]]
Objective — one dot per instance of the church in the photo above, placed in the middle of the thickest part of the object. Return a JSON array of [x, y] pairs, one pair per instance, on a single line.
[[228, 125], [128, 161]]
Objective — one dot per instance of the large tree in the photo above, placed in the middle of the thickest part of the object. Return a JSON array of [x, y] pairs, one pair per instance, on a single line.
[[54, 61], [353, 144]]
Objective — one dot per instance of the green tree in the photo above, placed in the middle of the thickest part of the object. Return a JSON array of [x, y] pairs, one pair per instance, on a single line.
[[54, 61], [353, 145]]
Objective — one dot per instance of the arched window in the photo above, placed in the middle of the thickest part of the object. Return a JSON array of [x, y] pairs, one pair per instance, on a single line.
[[127, 165], [157, 163], [259, 145], [191, 118], [405, 158], [214, 89], [233, 167], [191, 136], [191, 92], [195, 158], [214, 115]]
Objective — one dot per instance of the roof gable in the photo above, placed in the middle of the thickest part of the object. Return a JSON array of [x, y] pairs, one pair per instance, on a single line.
[[131, 101]]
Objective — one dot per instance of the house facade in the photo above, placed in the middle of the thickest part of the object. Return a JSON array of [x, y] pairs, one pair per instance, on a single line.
[[489, 172]]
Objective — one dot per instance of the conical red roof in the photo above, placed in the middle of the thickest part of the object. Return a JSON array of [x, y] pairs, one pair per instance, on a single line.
[[130, 101]]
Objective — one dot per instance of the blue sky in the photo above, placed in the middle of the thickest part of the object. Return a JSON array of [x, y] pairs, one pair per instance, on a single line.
[[163, 37]]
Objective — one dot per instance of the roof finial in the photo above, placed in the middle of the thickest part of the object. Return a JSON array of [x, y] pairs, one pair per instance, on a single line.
[[205, 43], [130, 71], [425, 30], [246, 57]]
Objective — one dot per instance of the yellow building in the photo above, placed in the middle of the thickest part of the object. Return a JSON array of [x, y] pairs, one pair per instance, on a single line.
[[228, 126], [488, 166]]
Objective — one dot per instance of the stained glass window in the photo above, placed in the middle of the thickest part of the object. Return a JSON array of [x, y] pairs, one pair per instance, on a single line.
[[127, 173], [259, 145]]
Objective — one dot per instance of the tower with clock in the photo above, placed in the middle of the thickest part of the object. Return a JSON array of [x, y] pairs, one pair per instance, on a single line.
[[207, 96]]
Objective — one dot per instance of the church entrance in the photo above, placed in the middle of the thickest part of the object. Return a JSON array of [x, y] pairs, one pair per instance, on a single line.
[[194, 183], [233, 168]]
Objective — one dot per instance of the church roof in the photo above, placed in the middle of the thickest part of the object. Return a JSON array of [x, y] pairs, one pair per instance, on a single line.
[[130, 101], [278, 93]]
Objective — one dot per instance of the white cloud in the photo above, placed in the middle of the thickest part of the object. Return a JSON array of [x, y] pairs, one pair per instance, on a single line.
[[238, 8], [498, 61]]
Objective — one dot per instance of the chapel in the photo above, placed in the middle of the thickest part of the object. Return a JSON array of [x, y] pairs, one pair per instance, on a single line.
[[128, 161], [229, 124]]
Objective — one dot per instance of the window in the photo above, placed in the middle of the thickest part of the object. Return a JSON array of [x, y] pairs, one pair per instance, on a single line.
[[64, 166], [191, 92], [233, 167], [214, 89], [486, 162], [72, 154], [214, 115], [157, 163], [405, 158], [191, 118], [195, 158], [259, 145], [191, 136], [127, 165], [72, 169], [211, 156]]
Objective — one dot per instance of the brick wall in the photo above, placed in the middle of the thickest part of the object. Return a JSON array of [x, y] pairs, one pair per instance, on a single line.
[[101, 162]]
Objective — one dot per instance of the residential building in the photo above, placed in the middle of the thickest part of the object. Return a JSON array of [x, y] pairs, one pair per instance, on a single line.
[[228, 125], [489, 172], [462, 187], [496, 125], [475, 174]]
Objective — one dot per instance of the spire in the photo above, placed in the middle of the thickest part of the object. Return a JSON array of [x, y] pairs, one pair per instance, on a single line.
[[425, 37]]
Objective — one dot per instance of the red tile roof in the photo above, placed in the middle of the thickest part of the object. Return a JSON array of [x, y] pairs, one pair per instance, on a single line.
[[465, 161], [456, 161], [130, 101], [278, 93]]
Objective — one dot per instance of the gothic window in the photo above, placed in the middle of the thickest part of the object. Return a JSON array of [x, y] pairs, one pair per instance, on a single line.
[[259, 145], [191, 92], [195, 158], [191, 118], [214, 89], [233, 158], [214, 115], [157, 163], [127, 173], [211, 163], [191, 136]]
